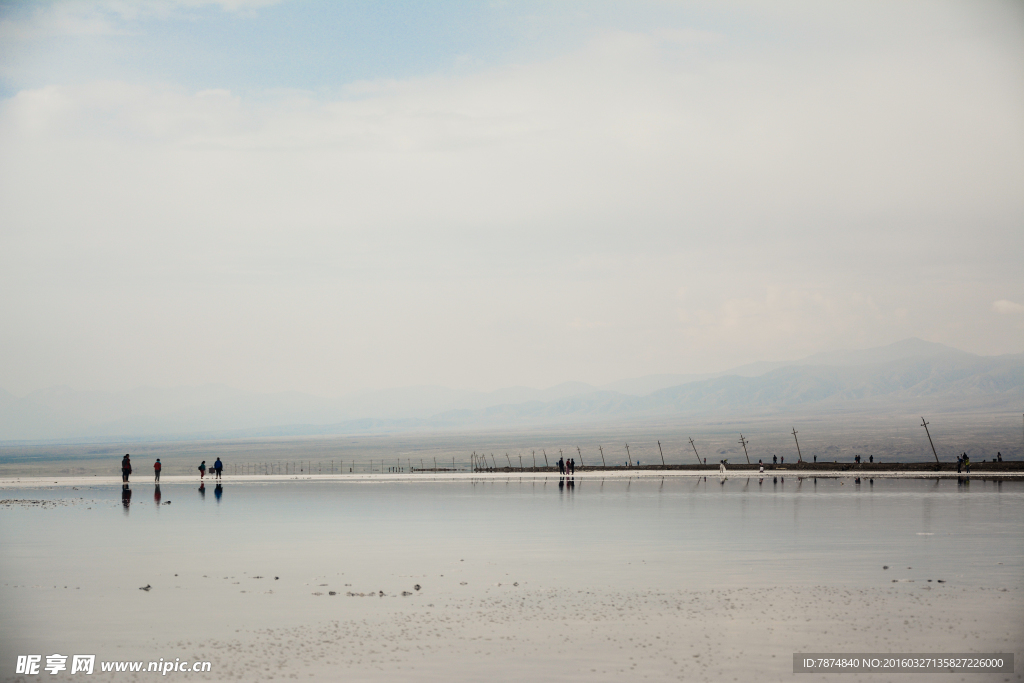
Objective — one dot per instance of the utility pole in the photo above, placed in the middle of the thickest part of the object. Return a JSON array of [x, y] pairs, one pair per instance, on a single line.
[[579, 454], [601, 448], [535, 461], [799, 457], [545, 457], [509, 461], [494, 463], [745, 442], [662, 454], [695, 452], [925, 425], [629, 458]]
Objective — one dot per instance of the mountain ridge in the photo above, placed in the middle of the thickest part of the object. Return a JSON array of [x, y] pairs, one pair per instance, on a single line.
[[908, 371]]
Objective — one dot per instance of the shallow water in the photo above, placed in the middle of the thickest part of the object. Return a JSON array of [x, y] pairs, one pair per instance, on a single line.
[[253, 555]]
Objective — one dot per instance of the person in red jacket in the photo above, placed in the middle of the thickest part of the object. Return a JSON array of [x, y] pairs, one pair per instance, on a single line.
[[156, 468]]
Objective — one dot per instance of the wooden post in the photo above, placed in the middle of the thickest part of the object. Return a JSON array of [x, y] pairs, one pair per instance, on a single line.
[[509, 461], [745, 442], [629, 458], [535, 461], [601, 448], [494, 464], [545, 458], [580, 453], [435, 464], [925, 425], [520, 463], [799, 455], [662, 454], [695, 451]]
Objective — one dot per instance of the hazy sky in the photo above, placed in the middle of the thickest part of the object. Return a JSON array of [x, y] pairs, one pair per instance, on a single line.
[[326, 197]]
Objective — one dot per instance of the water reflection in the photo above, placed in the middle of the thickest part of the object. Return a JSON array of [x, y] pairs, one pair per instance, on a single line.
[[202, 490], [218, 491], [156, 495], [126, 497]]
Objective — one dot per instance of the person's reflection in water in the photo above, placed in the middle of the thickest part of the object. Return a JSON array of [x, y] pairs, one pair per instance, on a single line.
[[156, 495], [126, 497], [561, 484], [202, 490], [571, 483], [218, 490]]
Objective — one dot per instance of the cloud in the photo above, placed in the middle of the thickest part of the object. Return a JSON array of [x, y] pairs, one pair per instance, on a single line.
[[622, 209], [1007, 307], [104, 17]]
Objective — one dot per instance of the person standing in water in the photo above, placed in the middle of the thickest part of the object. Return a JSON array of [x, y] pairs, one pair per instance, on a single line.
[[156, 469], [217, 467], [202, 469], [126, 467]]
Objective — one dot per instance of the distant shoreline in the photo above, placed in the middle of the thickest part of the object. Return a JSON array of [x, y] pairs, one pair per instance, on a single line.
[[890, 472]]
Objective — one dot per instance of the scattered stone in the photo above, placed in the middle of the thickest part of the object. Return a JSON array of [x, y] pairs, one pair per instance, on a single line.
[[885, 566], [382, 594], [942, 581], [146, 588], [331, 593], [416, 587], [406, 593]]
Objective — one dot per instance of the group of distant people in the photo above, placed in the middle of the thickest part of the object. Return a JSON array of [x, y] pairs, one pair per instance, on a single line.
[[126, 468], [963, 461], [567, 466], [217, 468]]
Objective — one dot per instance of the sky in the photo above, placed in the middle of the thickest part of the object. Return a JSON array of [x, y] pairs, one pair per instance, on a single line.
[[331, 197]]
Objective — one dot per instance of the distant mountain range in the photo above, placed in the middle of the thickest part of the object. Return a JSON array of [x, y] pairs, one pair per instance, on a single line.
[[910, 375]]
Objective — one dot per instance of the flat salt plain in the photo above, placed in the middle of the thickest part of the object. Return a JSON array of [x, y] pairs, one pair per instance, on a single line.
[[619, 576]]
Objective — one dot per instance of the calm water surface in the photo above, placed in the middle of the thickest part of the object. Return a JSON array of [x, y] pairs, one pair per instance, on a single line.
[[211, 555]]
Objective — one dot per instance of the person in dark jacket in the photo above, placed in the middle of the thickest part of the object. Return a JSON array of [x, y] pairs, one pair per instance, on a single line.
[[126, 467]]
